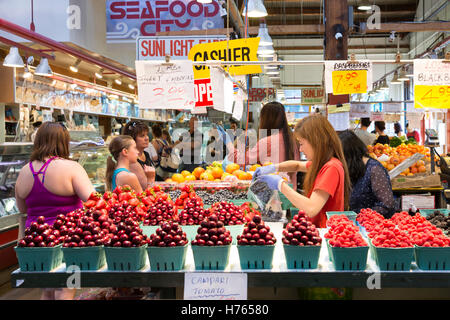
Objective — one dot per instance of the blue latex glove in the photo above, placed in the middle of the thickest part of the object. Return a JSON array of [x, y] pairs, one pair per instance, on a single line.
[[225, 162], [273, 181], [263, 171], [223, 135]]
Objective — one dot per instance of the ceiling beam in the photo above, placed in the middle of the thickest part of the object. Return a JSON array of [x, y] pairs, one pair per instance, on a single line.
[[355, 47], [236, 17], [222, 31]]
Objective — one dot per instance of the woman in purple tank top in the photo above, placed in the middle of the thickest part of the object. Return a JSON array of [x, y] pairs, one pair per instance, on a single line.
[[51, 184]]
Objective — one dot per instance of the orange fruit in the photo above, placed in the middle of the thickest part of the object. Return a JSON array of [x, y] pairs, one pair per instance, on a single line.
[[236, 173], [217, 172], [185, 173], [422, 169], [198, 172], [249, 176], [169, 180], [414, 170], [390, 166], [254, 167], [177, 177], [410, 174], [206, 176], [406, 171], [394, 160], [232, 167], [420, 163], [190, 178]]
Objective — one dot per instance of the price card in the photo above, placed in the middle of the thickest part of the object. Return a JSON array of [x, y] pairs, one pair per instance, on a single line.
[[215, 286], [432, 97], [165, 86], [348, 82]]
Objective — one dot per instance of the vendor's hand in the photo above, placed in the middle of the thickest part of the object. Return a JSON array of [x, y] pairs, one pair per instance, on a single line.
[[149, 173], [263, 171], [273, 181]]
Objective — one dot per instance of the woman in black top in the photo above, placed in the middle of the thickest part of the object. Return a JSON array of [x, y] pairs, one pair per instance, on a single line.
[[144, 168], [380, 126]]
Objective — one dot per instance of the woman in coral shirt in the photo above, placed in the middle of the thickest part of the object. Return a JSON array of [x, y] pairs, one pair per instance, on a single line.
[[327, 182]]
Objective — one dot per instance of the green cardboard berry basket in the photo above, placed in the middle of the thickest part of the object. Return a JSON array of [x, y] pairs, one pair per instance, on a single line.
[[239, 202], [392, 259], [126, 259], [256, 257], [235, 230], [39, 258], [349, 258], [427, 212], [301, 257], [351, 215], [211, 258], [148, 230], [86, 258], [167, 258], [191, 231], [330, 253], [432, 258]]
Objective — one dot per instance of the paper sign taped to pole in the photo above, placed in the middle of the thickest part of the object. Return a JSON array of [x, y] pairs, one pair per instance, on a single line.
[[431, 83], [347, 77], [165, 85]]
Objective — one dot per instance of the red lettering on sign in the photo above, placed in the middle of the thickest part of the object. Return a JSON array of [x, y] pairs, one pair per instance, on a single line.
[[203, 93], [149, 14], [115, 7], [172, 10]]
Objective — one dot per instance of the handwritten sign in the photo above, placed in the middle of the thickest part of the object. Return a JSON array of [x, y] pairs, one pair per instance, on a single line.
[[377, 116], [215, 286], [165, 86], [392, 107], [360, 110], [177, 47], [431, 83], [347, 77]]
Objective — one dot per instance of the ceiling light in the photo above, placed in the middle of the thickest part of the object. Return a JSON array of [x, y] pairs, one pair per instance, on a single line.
[[204, 1], [53, 83], [263, 35], [13, 59], [118, 81], [365, 6], [255, 77], [99, 74], [274, 72], [43, 69], [270, 67], [131, 86], [395, 79], [73, 86], [74, 68], [265, 51], [256, 9]]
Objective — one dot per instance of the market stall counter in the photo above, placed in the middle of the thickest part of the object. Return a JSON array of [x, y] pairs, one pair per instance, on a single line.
[[325, 275]]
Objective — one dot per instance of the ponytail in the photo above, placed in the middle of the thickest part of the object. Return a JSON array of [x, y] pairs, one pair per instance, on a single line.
[[115, 148], [110, 167]]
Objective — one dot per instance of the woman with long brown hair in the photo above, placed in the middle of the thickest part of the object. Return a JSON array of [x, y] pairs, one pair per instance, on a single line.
[[276, 141], [51, 184], [123, 155], [327, 183]]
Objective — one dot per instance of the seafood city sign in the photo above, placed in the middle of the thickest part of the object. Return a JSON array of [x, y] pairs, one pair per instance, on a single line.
[[127, 20]]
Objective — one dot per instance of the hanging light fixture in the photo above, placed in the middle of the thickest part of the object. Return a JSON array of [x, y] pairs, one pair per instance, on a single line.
[[266, 51], [273, 72], [99, 74], [118, 81], [395, 79], [263, 35], [43, 69], [27, 73], [410, 72], [255, 77], [256, 9], [384, 85], [74, 68], [13, 59]]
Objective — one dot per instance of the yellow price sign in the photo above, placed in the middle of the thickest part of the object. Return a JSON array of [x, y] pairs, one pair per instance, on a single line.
[[350, 81], [437, 97]]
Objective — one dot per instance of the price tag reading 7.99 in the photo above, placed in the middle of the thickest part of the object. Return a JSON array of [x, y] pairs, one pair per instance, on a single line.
[[347, 82], [432, 97]]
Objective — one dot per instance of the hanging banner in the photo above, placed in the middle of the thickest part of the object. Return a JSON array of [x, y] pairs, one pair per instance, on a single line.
[[313, 95], [127, 20], [392, 107], [360, 110], [165, 86], [177, 47], [431, 83], [233, 50], [348, 77]]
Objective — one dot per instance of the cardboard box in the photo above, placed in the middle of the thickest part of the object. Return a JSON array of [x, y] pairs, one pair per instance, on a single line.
[[417, 181]]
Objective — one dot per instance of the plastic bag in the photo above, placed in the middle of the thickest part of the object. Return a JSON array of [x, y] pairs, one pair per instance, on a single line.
[[267, 200]]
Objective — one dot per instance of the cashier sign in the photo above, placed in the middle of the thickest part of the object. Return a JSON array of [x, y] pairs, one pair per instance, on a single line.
[[233, 50]]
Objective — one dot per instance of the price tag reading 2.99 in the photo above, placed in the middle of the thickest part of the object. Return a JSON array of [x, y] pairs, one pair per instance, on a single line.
[[348, 82]]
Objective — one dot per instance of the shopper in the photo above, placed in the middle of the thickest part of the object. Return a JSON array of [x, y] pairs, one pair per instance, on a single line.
[[380, 126], [371, 185], [412, 133], [163, 152], [143, 168], [327, 183], [51, 184], [398, 130], [278, 143], [362, 133], [194, 146], [124, 154]]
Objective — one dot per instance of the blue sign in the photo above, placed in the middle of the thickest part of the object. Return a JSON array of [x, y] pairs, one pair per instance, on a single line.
[[127, 20]]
